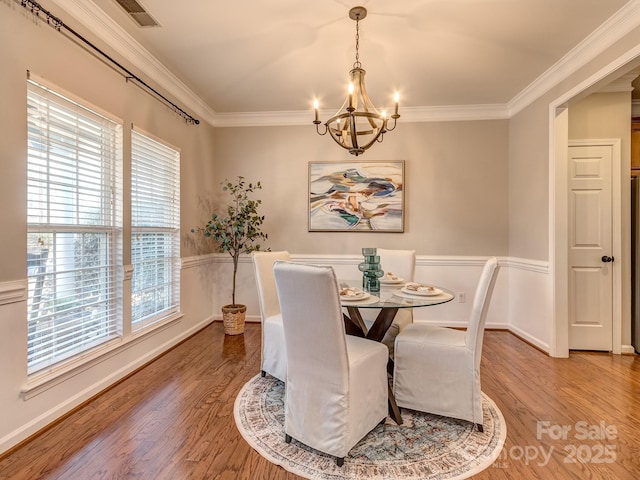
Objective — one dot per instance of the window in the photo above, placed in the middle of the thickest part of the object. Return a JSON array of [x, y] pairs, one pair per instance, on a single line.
[[155, 230], [74, 228]]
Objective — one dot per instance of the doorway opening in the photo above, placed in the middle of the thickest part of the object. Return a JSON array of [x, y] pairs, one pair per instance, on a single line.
[[559, 215]]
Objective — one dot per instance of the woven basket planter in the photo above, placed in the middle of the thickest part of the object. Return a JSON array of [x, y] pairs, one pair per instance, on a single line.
[[233, 317]]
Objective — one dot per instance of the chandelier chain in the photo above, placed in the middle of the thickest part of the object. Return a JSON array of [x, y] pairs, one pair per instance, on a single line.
[[357, 63]]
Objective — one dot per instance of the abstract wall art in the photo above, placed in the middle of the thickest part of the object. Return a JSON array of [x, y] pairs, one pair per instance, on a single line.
[[356, 196]]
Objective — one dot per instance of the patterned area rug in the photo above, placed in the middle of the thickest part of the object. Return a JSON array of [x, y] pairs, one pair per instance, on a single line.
[[424, 447]]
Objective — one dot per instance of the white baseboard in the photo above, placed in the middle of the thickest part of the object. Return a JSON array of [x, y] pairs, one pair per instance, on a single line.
[[529, 338]]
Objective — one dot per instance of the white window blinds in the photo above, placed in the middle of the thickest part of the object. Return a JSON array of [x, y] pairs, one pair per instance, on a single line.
[[74, 228], [155, 228]]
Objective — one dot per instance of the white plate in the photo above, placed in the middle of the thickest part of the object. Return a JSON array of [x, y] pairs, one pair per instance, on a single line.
[[360, 301], [424, 293], [357, 295], [388, 281]]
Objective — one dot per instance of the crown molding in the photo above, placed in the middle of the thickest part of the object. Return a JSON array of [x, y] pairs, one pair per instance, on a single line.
[[263, 119], [445, 113], [106, 29], [616, 27], [92, 17], [451, 113]]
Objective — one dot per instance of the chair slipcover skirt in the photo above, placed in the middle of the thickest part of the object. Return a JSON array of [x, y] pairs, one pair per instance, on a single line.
[[434, 372]]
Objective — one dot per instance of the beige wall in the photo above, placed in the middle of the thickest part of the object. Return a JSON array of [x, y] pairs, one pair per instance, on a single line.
[[455, 185], [603, 115], [529, 183], [26, 44]]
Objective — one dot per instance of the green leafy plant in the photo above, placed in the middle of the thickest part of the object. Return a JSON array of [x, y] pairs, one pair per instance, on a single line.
[[241, 229]]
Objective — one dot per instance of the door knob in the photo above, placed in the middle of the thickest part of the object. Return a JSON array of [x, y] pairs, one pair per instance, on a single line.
[[607, 259]]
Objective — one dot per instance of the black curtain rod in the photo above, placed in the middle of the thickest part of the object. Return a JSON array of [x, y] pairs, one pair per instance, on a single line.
[[58, 24]]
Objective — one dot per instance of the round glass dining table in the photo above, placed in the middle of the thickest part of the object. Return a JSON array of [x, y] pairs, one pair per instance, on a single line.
[[388, 300]]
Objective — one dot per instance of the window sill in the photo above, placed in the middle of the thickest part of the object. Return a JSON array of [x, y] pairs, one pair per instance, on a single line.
[[42, 382]]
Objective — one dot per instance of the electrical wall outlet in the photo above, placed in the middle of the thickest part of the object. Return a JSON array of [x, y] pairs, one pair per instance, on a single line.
[[461, 297]]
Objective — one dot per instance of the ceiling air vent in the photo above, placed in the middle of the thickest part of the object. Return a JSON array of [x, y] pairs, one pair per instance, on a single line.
[[138, 13]]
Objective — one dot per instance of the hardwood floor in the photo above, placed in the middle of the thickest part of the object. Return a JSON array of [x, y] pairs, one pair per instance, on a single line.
[[174, 418]]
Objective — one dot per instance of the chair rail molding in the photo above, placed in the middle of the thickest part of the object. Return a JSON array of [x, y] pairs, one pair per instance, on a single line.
[[520, 303], [537, 266], [540, 266], [11, 292], [206, 259]]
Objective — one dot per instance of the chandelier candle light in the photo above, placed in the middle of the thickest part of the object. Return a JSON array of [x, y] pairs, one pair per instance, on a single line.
[[353, 129]]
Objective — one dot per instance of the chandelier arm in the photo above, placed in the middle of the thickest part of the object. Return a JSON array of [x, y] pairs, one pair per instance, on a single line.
[[395, 120], [326, 128]]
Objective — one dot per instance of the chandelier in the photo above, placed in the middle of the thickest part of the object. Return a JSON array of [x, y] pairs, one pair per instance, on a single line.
[[357, 125]]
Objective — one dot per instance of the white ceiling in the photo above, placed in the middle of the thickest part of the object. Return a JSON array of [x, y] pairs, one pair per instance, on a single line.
[[276, 56]]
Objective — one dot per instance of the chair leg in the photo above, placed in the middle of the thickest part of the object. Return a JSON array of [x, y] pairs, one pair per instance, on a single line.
[[263, 373], [340, 461], [480, 427], [287, 438]]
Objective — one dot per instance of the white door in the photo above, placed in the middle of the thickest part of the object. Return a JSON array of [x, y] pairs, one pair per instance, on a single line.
[[590, 248]]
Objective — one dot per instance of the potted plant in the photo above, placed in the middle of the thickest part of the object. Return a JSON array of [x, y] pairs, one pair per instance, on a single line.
[[237, 232]]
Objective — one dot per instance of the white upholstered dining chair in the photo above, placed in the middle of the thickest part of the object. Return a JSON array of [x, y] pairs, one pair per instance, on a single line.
[[437, 369], [401, 263], [336, 383], [274, 356]]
